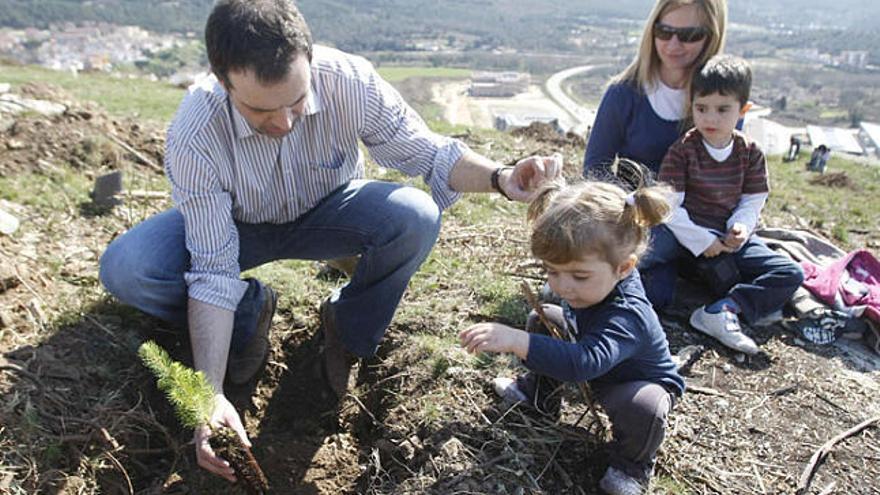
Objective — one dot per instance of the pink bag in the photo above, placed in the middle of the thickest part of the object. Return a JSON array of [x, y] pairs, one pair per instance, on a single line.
[[852, 281]]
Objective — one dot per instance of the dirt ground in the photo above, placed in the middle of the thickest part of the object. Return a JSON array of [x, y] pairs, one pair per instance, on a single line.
[[480, 112], [80, 415]]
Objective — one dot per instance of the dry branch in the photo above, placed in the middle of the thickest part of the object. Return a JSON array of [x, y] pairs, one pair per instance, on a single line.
[[558, 334], [137, 154], [820, 455]]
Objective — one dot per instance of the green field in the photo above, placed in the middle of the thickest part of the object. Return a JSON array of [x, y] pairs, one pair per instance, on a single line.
[[395, 74], [119, 96]]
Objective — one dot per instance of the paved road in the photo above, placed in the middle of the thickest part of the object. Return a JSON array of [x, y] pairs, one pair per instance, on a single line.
[[583, 116]]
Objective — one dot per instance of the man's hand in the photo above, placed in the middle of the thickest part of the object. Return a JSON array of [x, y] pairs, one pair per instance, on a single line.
[[528, 174], [226, 415], [715, 249], [495, 337], [736, 236]]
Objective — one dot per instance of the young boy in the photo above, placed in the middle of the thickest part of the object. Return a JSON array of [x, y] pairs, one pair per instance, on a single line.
[[720, 181]]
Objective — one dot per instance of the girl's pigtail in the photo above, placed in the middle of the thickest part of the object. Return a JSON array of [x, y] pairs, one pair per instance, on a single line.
[[542, 199], [648, 206]]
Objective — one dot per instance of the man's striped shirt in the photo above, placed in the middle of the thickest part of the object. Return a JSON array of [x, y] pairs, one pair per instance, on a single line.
[[222, 170]]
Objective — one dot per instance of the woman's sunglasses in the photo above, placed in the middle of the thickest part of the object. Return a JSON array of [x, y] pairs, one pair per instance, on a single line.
[[685, 34]]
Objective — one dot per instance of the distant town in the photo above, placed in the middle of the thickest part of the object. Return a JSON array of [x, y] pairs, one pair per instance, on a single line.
[[88, 47]]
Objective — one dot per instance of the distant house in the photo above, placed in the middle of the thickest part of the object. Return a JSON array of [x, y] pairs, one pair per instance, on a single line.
[[499, 84], [836, 138], [854, 58], [869, 135], [507, 122]]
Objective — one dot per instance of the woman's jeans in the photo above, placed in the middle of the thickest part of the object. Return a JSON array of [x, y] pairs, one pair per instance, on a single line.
[[392, 227]]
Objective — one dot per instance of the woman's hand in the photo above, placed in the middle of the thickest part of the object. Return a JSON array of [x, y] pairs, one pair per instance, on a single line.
[[495, 337]]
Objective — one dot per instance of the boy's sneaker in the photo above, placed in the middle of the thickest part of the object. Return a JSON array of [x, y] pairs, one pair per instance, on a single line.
[[538, 392], [616, 482], [724, 326], [245, 364]]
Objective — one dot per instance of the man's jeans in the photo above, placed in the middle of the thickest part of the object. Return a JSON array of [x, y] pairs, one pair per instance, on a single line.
[[766, 279], [392, 227]]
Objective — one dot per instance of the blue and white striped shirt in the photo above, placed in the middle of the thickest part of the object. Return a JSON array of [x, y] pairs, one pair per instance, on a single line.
[[221, 170]]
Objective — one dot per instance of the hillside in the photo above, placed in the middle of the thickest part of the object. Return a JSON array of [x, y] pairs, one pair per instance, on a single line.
[[79, 414], [370, 25]]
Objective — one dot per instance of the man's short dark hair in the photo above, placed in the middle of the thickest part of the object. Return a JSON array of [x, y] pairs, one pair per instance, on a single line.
[[265, 36], [726, 75]]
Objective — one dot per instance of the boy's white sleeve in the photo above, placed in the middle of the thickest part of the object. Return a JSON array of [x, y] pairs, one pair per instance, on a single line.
[[693, 237], [748, 211]]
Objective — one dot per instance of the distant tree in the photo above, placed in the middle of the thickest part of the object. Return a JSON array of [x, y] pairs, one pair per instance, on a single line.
[[782, 103], [853, 100]]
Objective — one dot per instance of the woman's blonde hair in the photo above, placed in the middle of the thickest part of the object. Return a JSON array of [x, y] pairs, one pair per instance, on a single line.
[[598, 218], [644, 69]]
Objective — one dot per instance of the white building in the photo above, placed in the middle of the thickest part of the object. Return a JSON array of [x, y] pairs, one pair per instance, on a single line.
[[869, 135], [499, 84], [854, 58], [836, 138]]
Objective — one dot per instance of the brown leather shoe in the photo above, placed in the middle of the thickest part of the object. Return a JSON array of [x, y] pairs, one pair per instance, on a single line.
[[244, 365], [335, 360]]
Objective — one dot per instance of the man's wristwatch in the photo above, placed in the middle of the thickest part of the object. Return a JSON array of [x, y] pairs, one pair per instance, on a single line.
[[496, 175]]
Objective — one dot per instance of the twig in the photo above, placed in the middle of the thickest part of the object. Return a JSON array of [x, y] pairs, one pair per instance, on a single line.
[[828, 489], [106, 330], [473, 403], [760, 479], [552, 459], [364, 408], [144, 194], [785, 390], [705, 390], [137, 154], [28, 286], [557, 333], [820, 455], [522, 275], [7, 365], [122, 470]]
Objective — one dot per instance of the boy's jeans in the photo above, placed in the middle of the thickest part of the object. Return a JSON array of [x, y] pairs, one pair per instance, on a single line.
[[392, 227], [767, 279]]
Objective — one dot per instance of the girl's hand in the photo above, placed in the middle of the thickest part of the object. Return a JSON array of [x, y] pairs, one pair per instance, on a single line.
[[495, 337]]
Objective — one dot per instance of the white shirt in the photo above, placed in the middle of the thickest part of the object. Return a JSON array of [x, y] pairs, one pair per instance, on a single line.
[[668, 103]]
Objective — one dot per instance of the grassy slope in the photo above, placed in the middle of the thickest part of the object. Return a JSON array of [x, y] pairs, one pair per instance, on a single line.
[[845, 214], [122, 97], [155, 100]]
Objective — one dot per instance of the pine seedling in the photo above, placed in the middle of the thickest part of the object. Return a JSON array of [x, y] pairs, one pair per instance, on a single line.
[[193, 400], [188, 390]]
